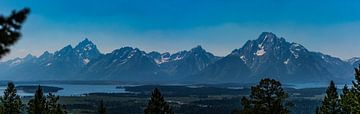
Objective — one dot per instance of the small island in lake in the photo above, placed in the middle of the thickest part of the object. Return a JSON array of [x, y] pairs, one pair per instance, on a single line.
[[33, 88]]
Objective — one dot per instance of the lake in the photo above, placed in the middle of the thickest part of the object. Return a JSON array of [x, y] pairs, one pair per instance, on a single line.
[[73, 89], [81, 88]]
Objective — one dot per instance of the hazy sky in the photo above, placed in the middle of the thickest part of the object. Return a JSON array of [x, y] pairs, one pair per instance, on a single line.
[[220, 26]]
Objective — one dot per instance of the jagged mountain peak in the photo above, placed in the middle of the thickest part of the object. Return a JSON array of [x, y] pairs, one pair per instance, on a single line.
[[268, 55], [126, 48], [66, 48], [198, 48], [86, 40], [46, 53], [128, 52], [269, 39], [85, 45], [266, 36], [268, 44], [297, 47], [87, 50], [29, 57], [291, 59]]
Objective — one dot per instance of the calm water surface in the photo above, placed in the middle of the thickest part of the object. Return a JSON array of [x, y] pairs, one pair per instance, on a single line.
[[74, 89]]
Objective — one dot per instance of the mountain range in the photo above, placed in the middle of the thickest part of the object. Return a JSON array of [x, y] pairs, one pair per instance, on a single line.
[[267, 56]]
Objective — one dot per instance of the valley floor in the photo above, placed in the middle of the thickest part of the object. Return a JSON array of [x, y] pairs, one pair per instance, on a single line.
[[184, 100]]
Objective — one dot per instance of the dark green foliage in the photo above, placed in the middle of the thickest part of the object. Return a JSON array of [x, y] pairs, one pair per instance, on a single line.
[[42, 104], [266, 98], [317, 110], [331, 103], [102, 108], [354, 94], [37, 105], [11, 102], [52, 105], [157, 104], [349, 101], [10, 29], [345, 100], [247, 109]]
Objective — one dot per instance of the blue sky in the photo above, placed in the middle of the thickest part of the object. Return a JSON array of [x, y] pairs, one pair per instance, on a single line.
[[220, 26]]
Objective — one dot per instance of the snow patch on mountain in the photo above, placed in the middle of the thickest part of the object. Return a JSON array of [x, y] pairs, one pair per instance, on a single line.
[[295, 54], [86, 61], [178, 58], [261, 51], [16, 62], [48, 64], [287, 61], [243, 58], [162, 60]]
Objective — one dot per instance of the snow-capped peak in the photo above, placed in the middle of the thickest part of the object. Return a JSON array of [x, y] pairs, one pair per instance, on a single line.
[[87, 49], [85, 45]]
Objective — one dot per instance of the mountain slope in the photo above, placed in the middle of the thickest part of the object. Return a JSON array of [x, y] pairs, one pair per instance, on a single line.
[[126, 64], [266, 56], [271, 56], [184, 63], [355, 61], [63, 64]]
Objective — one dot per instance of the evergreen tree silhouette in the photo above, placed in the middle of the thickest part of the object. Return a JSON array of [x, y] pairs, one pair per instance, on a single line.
[[317, 110], [102, 108], [345, 100], [37, 105], [10, 29], [330, 104], [157, 104], [246, 103], [355, 92], [11, 102], [266, 98], [53, 106]]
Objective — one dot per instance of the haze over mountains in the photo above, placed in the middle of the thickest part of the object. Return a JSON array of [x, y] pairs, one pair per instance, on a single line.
[[266, 56]]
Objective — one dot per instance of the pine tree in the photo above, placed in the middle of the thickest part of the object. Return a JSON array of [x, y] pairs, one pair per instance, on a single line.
[[345, 100], [246, 103], [317, 110], [355, 92], [37, 105], [53, 107], [11, 102], [330, 104], [102, 108], [157, 104], [266, 98], [10, 29]]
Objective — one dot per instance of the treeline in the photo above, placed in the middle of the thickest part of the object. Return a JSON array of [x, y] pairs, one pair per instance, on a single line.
[[268, 97], [39, 104], [348, 102]]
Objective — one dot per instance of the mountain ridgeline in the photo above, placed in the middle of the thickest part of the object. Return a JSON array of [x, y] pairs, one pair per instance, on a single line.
[[268, 56]]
